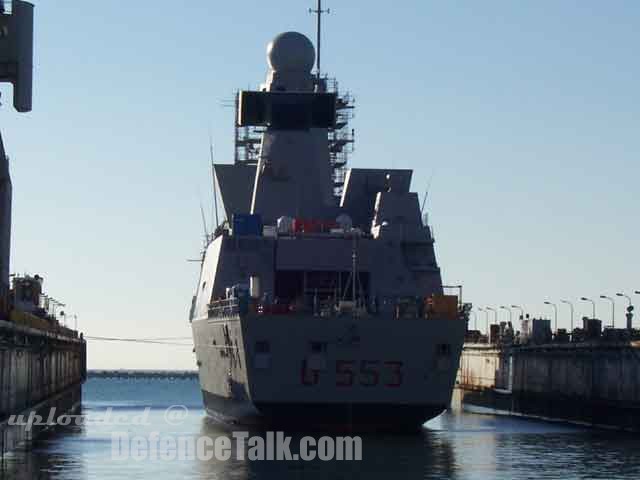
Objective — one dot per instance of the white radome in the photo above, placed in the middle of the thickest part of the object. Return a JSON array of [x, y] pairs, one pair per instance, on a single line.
[[291, 51]]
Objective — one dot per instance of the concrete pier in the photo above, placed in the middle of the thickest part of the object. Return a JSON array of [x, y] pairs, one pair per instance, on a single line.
[[42, 363], [39, 370], [593, 383]]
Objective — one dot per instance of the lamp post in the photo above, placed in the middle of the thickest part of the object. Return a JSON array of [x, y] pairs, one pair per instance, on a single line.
[[567, 302], [585, 299], [475, 319], [555, 313], [504, 307], [521, 313], [613, 309], [629, 309], [54, 306], [495, 313], [486, 319], [625, 296]]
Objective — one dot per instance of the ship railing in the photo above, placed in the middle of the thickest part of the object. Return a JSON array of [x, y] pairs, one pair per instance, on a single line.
[[323, 304], [227, 307], [44, 323]]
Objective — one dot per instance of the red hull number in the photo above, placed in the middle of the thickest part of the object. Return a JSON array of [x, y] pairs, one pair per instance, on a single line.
[[366, 373]]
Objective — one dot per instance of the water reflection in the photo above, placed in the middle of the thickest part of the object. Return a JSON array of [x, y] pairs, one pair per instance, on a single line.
[[58, 454], [425, 455], [586, 454], [454, 446]]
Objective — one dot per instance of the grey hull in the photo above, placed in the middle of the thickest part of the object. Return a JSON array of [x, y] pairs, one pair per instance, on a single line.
[[364, 417]]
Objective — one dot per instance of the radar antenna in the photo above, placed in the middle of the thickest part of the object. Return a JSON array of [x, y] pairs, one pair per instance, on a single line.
[[319, 11]]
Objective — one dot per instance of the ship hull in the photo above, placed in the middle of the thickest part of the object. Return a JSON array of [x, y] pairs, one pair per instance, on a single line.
[[368, 374], [336, 417]]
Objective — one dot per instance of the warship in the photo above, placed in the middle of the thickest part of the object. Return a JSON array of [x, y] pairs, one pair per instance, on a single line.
[[320, 302]]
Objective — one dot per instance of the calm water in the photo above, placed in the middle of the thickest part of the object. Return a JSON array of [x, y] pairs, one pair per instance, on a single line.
[[455, 446]]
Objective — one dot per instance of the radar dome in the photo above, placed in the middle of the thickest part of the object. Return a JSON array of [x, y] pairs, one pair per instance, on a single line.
[[291, 51]]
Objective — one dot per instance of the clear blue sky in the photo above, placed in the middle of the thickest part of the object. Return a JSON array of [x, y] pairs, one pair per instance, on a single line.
[[527, 114]]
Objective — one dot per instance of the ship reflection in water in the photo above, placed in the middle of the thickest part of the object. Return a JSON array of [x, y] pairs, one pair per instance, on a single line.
[[455, 445]]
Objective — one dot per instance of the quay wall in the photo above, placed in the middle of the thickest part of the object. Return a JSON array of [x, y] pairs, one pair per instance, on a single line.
[[39, 370], [589, 383]]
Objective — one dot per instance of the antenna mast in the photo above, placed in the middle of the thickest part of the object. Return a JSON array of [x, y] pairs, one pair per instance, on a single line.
[[426, 194], [319, 13], [204, 225], [213, 179]]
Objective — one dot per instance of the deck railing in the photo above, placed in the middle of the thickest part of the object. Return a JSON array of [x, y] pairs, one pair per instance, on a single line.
[[227, 307], [398, 308]]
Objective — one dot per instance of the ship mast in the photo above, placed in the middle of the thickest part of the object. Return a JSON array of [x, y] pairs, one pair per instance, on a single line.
[[319, 11], [213, 179]]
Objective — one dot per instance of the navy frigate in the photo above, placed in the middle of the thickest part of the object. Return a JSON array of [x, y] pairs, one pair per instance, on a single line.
[[320, 301]]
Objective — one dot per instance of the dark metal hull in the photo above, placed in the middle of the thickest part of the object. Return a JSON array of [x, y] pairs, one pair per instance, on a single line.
[[340, 417]]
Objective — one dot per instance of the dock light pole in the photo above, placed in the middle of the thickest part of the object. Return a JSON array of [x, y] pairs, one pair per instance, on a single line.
[[585, 299], [475, 319], [555, 314], [54, 306], [629, 309], [567, 302], [613, 309], [495, 313], [625, 296], [504, 307], [486, 318], [521, 313]]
